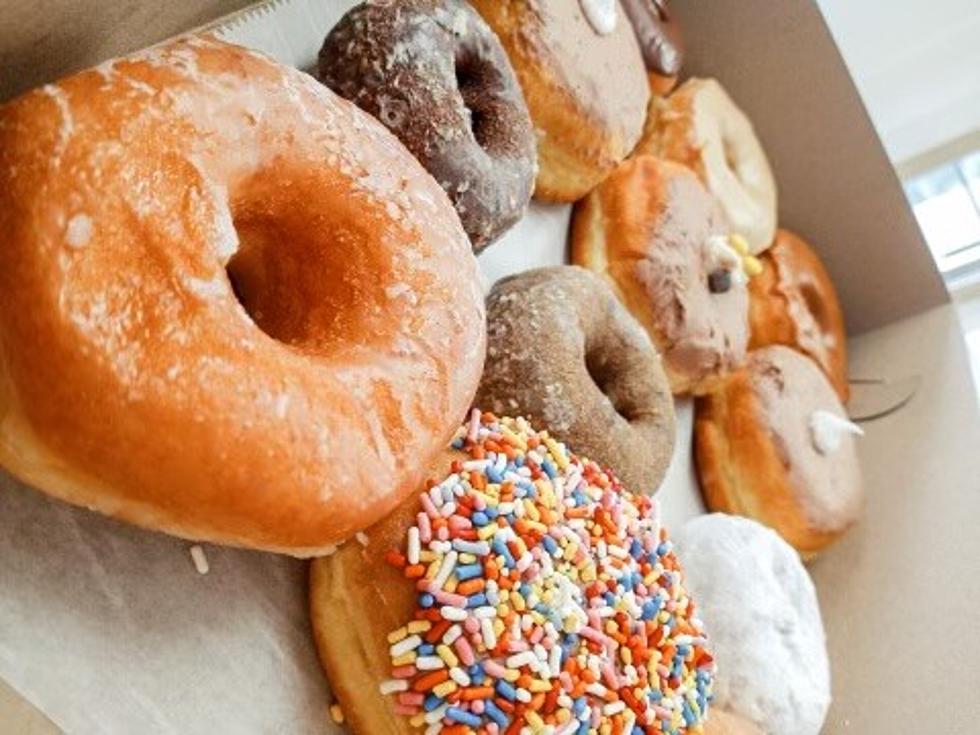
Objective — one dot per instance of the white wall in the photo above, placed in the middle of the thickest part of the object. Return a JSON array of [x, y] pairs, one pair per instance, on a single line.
[[916, 64]]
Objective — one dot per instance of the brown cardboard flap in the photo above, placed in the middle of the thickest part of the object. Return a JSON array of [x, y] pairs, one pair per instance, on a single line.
[[836, 185]]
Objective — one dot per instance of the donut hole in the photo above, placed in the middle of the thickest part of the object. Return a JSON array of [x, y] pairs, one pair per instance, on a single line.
[[313, 282], [603, 375], [471, 82]]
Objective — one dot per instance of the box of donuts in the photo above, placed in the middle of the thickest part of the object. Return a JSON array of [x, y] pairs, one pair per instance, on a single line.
[[477, 366]]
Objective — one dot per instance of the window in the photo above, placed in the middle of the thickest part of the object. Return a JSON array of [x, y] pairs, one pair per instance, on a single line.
[[946, 202]]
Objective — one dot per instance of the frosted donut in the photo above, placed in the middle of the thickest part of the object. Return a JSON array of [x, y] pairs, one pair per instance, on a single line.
[[565, 53], [793, 302], [564, 352], [235, 307], [772, 442], [660, 238], [661, 41], [760, 609], [437, 77], [521, 606], [700, 127]]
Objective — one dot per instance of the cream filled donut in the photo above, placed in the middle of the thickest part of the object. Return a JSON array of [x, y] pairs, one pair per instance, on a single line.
[[761, 611], [580, 67], [564, 352], [523, 590], [700, 127], [653, 230], [772, 442], [235, 307]]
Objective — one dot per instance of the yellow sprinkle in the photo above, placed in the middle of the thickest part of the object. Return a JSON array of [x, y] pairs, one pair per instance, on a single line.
[[485, 532], [418, 720], [336, 713], [740, 244], [498, 627], [557, 452], [397, 635], [570, 625], [570, 551], [418, 626], [539, 686], [447, 687], [466, 558], [432, 571], [605, 729], [531, 511], [514, 438], [503, 610], [447, 655], [611, 627], [626, 654], [427, 556], [512, 675], [404, 660], [450, 585], [751, 265], [588, 574], [534, 720], [563, 716]]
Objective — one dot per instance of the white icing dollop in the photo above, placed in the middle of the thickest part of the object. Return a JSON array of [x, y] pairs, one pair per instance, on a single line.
[[601, 14], [762, 620], [722, 255], [79, 231], [827, 431]]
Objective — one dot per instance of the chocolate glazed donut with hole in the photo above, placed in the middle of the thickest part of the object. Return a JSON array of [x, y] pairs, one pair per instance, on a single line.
[[436, 76], [660, 39], [565, 353]]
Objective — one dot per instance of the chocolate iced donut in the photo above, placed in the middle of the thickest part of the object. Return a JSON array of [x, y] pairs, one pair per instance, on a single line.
[[434, 73], [565, 353], [660, 39]]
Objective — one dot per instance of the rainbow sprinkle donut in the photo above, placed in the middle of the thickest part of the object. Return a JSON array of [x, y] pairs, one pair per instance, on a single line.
[[548, 600]]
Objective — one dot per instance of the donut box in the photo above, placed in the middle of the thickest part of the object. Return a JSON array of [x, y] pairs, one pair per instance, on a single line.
[[142, 642]]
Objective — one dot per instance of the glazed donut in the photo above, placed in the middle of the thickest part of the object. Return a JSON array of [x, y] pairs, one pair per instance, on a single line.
[[700, 127], [565, 353], [661, 41], [438, 78], [523, 588], [235, 307], [660, 238], [761, 612], [772, 442], [565, 53], [793, 303]]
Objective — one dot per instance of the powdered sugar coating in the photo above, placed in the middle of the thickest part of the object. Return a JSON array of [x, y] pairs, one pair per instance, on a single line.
[[436, 76], [761, 612]]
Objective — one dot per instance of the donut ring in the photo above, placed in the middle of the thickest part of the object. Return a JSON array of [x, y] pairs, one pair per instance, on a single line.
[[661, 41], [585, 124], [140, 201], [762, 450], [565, 353], [369, 608], [438, 78], [700, 127], [660, 238], [793, 302]]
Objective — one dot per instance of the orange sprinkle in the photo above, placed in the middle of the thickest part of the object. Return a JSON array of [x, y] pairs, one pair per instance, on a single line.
[[471, 693], [415, 571], [431, 680]]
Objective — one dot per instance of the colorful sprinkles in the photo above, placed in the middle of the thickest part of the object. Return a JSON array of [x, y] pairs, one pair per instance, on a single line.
[[549, 600]]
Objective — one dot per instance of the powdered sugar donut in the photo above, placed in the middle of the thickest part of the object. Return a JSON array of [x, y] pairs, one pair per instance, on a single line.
[[760, 610]]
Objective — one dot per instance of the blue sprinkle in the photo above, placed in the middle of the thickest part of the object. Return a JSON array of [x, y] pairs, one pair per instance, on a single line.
[[476, 600], [493, 475], [457, 443], [426, 649], [479, 518], [501, 548], [549, 469], [495, 713], [519, 460], [492, 513], [505, 690], [462, 716], [476, 674], [687, 714], [626, 581], [636, 549], [431, 702], [550, 544], [468, 571], [583, 728], [426, 600], [492, 597], [663, 548], [579, 706]]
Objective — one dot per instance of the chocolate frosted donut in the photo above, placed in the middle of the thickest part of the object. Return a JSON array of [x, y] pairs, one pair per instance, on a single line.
[[563, 352], [659, 36], [437, 77]]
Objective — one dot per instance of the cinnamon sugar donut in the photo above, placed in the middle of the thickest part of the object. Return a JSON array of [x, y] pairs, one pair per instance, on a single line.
[[793, 302], [700, 127], [438, 78], [661, 239], [579, 65], [235, 307], [772, 442], [562, 351]]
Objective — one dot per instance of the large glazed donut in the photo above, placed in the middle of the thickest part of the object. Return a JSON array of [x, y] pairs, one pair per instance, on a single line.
[[761, 612], [235, 308], [565, 353], [793, 303], [772, 442], [701, 127], [660, 238], [438, 78], [566, 61], [522, 588]]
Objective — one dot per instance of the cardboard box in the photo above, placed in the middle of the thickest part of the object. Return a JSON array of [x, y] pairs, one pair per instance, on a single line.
[[107, 628]]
